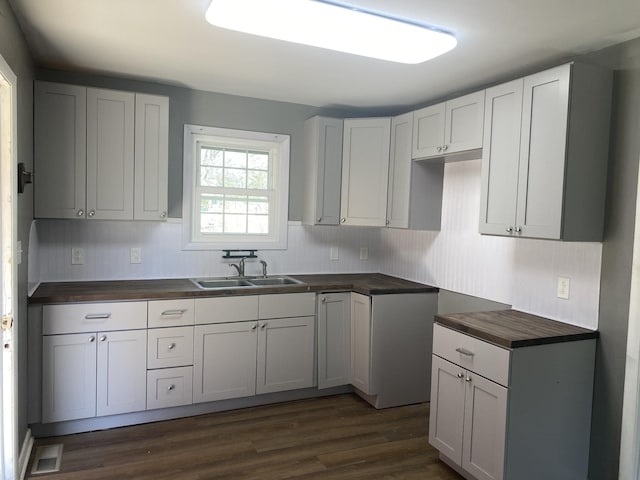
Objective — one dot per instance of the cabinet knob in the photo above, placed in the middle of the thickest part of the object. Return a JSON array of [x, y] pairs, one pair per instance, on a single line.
[[103, 338], [171, 387], [387, 222], [342, 220], [254, 327], [324, 299], [92, 338], [460, 375], [172, 346], [468, 379], [509, 229], [92, 213], [319, 219], [163, 215], [80, 213], [444, 148], [439, 149], [263, 326], [518, 229]]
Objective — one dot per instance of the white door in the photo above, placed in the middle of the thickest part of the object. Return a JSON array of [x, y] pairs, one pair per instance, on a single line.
[[464, 123], [224, 361], [285, 354], [361, 342], [334, 339], [400, 171], [428, 131], [8, 269], [121, 372]]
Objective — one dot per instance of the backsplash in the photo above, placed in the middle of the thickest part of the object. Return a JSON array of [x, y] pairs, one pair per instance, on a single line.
[[519, 272]]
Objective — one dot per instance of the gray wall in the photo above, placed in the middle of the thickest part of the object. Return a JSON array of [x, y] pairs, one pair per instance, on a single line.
[[217, 110], [14, 50], [615, 283]]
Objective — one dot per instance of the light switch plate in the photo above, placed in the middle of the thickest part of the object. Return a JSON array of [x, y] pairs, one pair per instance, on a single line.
[[136, 255], [564, 285], [77, 256], [333, 253], [364, 253]]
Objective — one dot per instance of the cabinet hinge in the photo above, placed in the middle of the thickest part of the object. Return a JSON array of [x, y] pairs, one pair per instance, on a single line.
[[7, 322]]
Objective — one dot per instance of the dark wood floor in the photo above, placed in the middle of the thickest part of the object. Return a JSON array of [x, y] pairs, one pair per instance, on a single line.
[[334, 438]]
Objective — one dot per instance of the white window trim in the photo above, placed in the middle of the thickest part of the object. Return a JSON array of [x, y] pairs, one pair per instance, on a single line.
[[277, 241]]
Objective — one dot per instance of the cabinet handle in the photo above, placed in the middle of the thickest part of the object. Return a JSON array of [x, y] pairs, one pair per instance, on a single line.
[[460, 375], [92, 338], [324, 299], [97, 316], [170, 313], [103, 338], [444, 148], [171, 346], [438, 149], [263, 326], [342, 220], [464, 351], [171, 387], [80, 213], [319, 219], [254, 327], [518, 229], [163, 215], [92, 213], [468, 379], [509, 229], [387, 222]]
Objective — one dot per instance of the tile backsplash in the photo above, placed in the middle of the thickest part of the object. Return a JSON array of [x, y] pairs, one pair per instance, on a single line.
[[519, 272]]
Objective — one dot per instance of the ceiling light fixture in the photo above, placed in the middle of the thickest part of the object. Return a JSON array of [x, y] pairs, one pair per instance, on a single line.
[[333, 26]]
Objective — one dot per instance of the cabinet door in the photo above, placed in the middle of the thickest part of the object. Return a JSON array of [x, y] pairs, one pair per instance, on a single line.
[[500, 153], [542, 153], [60, 153], [224, 361], [464, 123], [428, 131], [110, 124], [485, 420], [285, 354], [361, 342], [151, 157], [68, 377], [400, 171], [446, 415], [122, 372], [323, 160], [365, 171], [334, 339]]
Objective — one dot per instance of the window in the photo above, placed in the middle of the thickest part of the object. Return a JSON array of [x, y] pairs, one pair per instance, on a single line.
[[236, 188]]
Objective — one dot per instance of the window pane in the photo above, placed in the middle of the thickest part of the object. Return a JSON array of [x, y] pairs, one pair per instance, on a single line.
[[258, 160], [235, 159], [210, 177], [258, 205], [235, 178], [211, 223], [211, 156], [211, 203], [258, 224], [235, 204], [235, 224], [257, 179]]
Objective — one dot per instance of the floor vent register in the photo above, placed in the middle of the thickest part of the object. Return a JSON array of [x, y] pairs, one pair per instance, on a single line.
[[47, 459]]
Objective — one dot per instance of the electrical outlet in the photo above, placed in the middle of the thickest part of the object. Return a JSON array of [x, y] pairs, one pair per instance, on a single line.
[[136, 255], [364, 253], [564, 285], [77, 256], [333, 253]]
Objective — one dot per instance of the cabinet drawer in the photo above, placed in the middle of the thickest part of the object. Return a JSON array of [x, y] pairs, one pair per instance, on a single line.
[[226, 309], [481, 357], [169, 387], [170, 347], [288, 305], [171, 313], [93, 317]]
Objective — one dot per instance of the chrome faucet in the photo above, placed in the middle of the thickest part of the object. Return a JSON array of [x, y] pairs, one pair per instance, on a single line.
[[239, 267], [264, 268]]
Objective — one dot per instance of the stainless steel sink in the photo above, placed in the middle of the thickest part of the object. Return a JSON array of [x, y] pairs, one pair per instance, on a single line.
[[233, 282], [280, 280]]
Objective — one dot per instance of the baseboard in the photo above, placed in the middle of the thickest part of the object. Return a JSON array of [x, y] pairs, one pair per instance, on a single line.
[[25, 454]]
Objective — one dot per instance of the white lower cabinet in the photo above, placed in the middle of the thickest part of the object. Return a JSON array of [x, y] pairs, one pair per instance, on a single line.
[[169, 387], [361, 343], [334, 339]]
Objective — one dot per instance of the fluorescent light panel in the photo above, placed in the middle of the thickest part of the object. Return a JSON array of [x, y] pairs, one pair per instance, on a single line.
[[332, 26]]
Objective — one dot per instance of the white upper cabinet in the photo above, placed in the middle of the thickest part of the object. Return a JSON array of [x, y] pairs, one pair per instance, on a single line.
[[110, 121], [365, 171], [450, 127], [93, 146], [544, 160], [60, 150], [151, 157], [323, 170]]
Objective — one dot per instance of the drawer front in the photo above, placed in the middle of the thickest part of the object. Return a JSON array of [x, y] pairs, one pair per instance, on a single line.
[[170, 347], [171, 313], [288, 305], [169, 387], [93, 317], [481, 357], [226, 309]]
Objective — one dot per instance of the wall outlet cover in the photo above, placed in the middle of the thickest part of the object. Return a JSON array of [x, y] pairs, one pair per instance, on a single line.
[[333, 253], [77, 256], [364, 253], [564, 286], [136, 255]]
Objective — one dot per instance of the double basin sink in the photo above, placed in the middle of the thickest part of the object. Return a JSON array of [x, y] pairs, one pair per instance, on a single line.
[[242, 282]]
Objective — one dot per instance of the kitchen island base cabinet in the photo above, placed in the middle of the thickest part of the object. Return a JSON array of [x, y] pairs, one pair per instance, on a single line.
[[511, 414]]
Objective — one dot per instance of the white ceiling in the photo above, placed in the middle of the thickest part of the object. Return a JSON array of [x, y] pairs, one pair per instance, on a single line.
[[169, 41]]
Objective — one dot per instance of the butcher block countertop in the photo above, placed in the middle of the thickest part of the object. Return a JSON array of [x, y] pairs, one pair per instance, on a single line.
[[112, 290], [513, 329]]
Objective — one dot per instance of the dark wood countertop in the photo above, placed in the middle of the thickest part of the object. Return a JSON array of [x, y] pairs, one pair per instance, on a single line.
[[96, 291], [513, 329]]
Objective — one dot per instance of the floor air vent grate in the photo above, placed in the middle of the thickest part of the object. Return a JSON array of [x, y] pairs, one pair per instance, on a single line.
[[47, 459]]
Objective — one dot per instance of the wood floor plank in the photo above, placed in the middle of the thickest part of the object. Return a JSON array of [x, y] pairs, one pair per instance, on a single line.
[[332, 438]]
